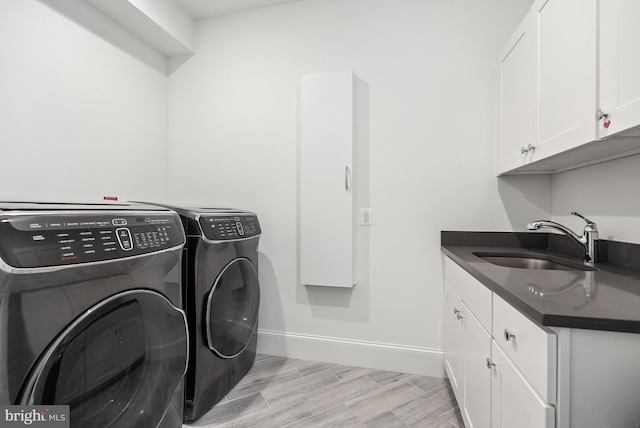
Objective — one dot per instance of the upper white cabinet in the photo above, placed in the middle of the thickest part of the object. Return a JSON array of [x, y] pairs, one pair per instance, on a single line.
[[518, 95], [552, 86], [619, 65], [566, 75], [333, 177]]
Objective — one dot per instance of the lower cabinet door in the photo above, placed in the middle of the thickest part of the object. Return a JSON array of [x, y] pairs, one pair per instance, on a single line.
[[454, 348], [477, 387], [514, 403]]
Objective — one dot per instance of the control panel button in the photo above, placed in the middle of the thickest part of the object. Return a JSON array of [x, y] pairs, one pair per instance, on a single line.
[[240, 228], [124, 238]]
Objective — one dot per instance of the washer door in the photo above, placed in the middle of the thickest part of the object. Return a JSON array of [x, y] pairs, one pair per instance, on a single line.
[[118, 365], [232, 308]]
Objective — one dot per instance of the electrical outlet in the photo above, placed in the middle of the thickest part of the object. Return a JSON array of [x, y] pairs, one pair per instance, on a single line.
[[366, 216]]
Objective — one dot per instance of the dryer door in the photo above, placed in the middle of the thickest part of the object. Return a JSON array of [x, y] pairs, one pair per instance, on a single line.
[[232, 308], [117, 365]]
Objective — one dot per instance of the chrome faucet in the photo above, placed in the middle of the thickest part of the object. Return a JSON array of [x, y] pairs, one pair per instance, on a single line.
[[588, 241]]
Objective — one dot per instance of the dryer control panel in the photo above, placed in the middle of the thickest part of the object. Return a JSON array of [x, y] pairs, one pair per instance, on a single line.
[[229, 227], [41, 240]]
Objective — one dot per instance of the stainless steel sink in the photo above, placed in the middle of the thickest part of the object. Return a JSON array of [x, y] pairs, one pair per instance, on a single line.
[[530, 261]]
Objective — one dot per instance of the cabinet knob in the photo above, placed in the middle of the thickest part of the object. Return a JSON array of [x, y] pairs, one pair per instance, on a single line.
[[508, 335], [527, 149], [490, 363], [601, 114]]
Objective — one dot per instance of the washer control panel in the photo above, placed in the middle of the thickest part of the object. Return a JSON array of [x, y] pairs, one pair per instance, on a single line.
[[40, 240], [229, 227]]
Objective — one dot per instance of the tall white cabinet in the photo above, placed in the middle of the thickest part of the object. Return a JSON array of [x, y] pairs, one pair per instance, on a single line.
[[333, 178]]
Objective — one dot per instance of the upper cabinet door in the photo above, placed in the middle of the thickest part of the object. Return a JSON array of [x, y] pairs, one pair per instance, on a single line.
[[566, 74], [518, 97], [619, 65]]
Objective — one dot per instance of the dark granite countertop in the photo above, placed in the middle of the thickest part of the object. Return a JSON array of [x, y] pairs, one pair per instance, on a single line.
[[607, 298]]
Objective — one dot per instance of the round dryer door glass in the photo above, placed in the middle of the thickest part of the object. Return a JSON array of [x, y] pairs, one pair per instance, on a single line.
[[232, 308], [118, 365]]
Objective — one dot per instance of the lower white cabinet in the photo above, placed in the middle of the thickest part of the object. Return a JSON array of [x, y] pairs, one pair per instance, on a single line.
[[531, 347], [454, 334], [514, 403], [509, 372], [468, 348], [499, 379], [477, 403]]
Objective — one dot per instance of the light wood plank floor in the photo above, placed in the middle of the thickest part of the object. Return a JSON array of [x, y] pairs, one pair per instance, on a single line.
[[283, 392]]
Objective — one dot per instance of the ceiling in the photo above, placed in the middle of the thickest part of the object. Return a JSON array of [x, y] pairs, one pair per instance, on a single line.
[[200, 9]]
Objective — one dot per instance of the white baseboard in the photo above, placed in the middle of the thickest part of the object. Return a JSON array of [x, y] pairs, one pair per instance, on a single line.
[[405, 359]]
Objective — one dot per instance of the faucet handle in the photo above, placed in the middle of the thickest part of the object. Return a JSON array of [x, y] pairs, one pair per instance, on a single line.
[[589, 222]]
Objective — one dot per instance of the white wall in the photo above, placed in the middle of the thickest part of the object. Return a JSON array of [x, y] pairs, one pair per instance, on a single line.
[[79, 117], [431, 71], [606, 193]]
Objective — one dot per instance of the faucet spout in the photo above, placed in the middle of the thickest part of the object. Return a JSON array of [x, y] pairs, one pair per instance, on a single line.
[[588, 241], [539, 224]]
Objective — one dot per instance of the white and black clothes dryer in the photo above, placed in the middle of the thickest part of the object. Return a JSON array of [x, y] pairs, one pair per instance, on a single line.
[[91, 312], [222, 298]]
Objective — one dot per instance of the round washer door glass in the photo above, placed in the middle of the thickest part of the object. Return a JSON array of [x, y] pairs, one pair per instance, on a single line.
[[118, 365], [232, 308]]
